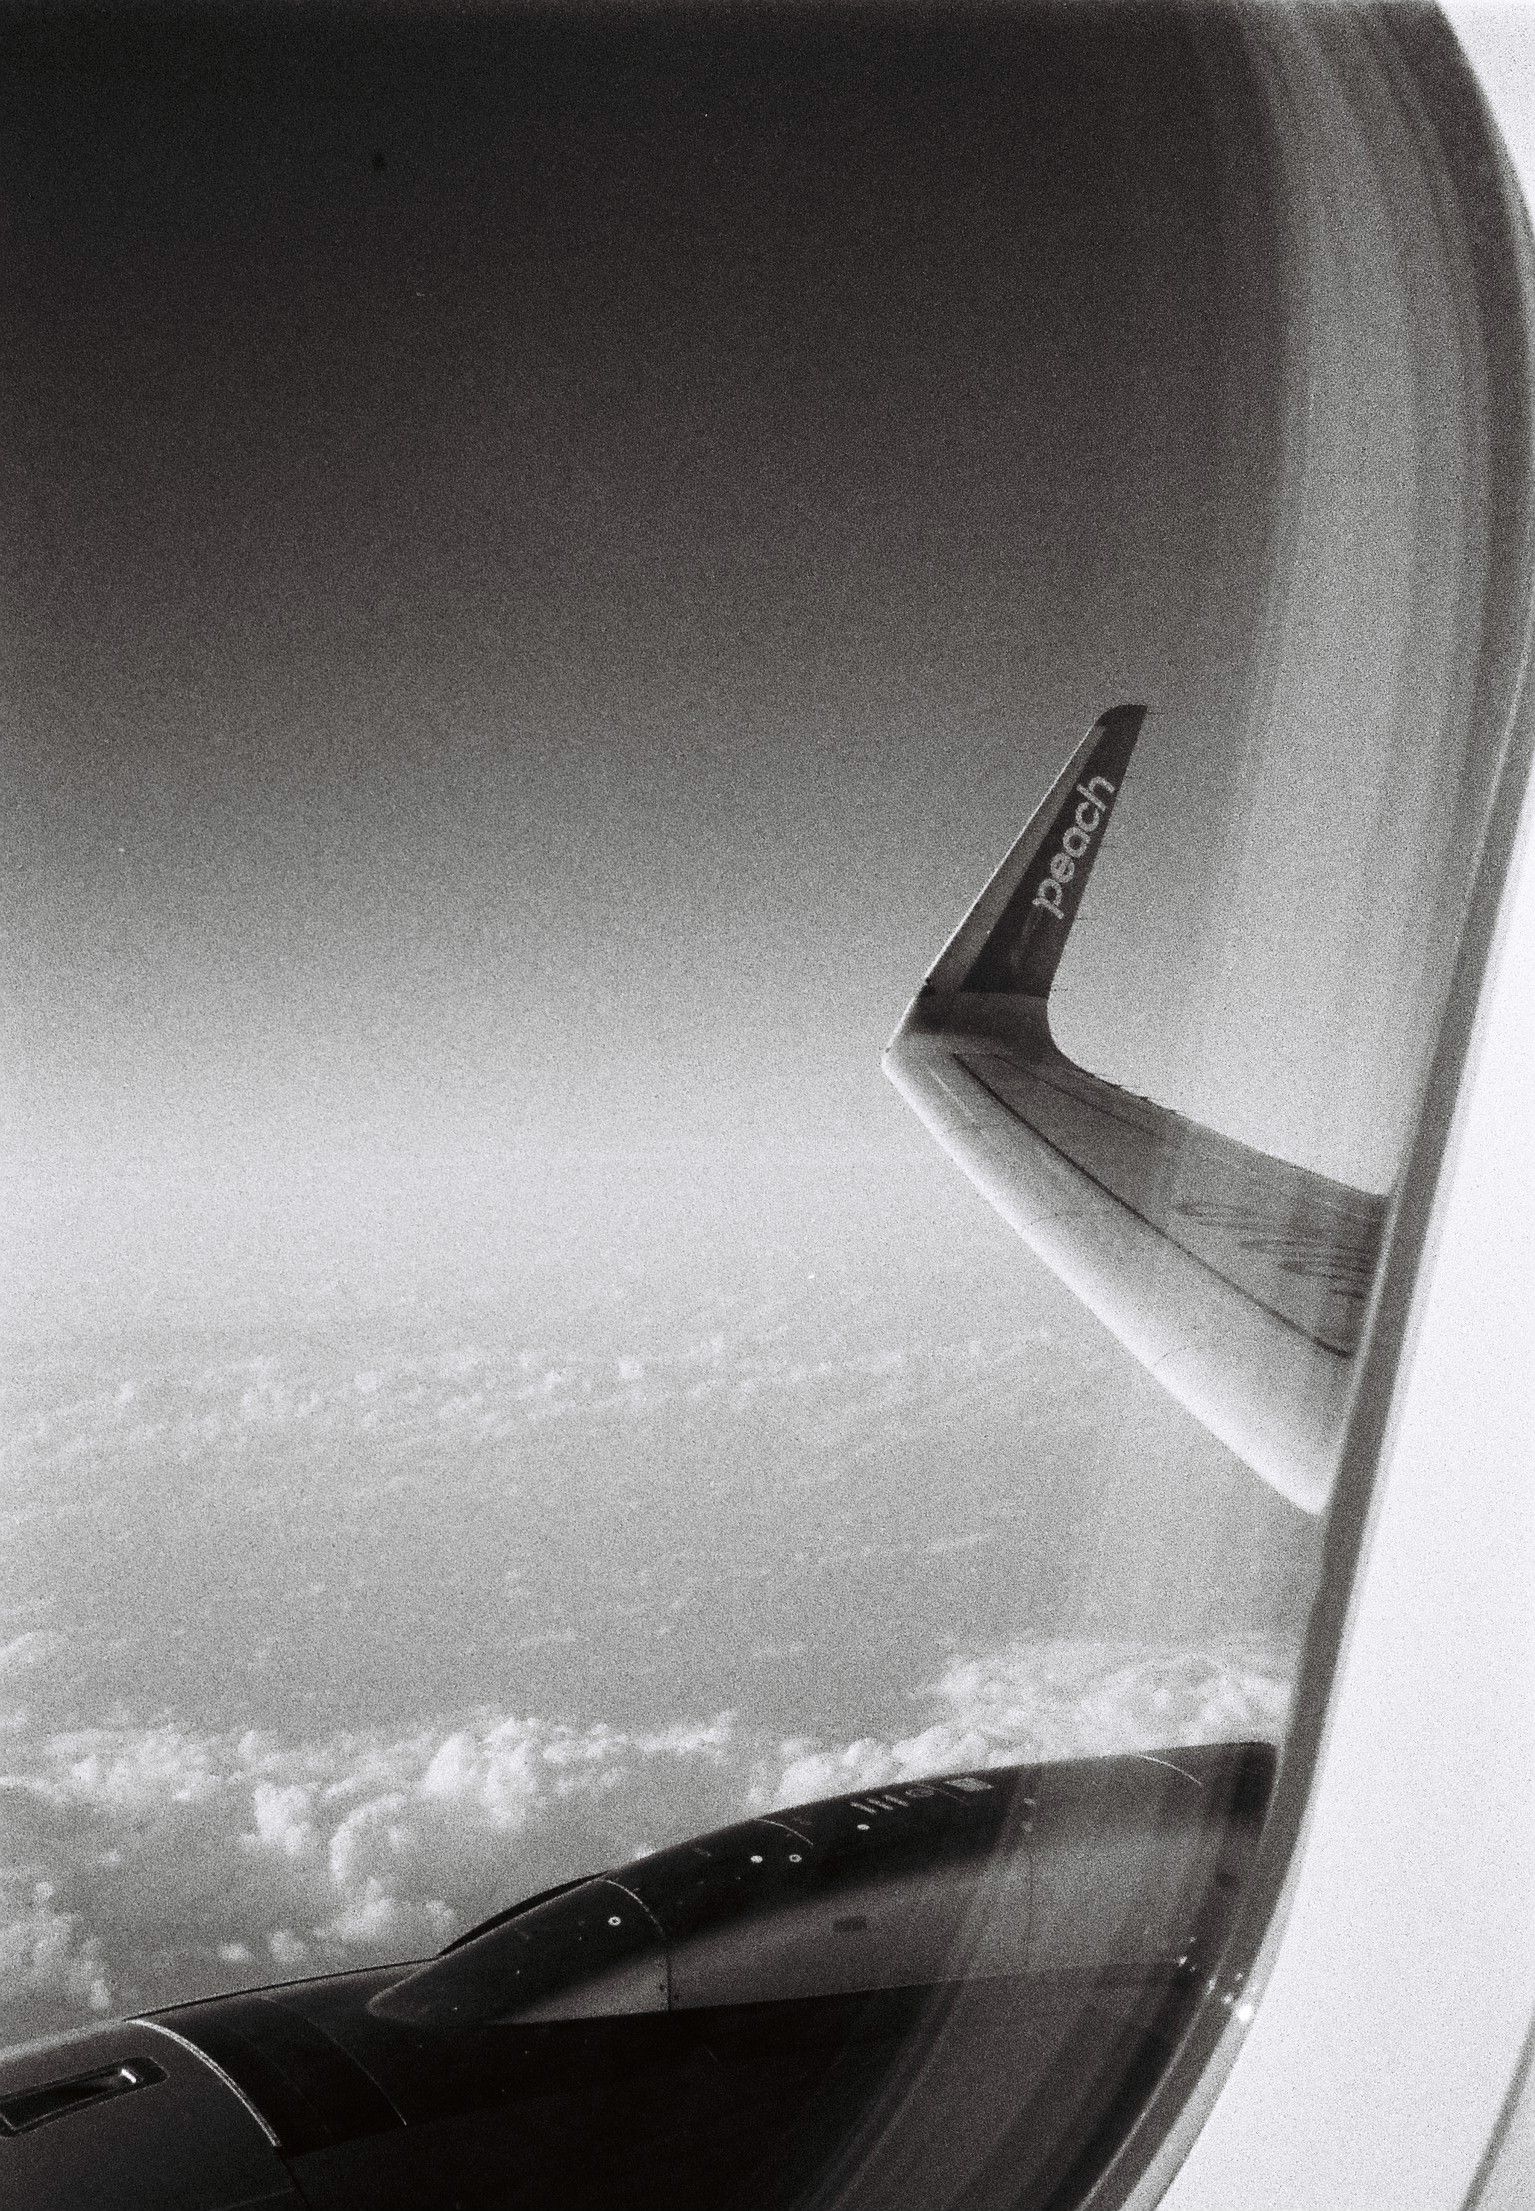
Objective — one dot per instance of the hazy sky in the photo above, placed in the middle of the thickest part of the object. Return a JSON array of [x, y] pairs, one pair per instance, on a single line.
[[543, 565], [543, 568]]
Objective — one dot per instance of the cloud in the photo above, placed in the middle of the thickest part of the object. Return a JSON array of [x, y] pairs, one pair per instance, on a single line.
[[44, 1953], [32, 1648], [103, 1431], [169, 1863], [143, 1865], [1064, 1699]]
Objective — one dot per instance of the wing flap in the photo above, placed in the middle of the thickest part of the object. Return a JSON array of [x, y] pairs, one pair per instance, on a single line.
[[1299, 1245]]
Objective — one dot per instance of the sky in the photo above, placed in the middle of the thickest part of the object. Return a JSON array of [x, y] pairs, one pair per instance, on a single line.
[[543, 569], [540, 581], [544, 562]]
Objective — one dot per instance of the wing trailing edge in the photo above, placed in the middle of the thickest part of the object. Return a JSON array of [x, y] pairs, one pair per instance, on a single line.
[[1241, 1281]]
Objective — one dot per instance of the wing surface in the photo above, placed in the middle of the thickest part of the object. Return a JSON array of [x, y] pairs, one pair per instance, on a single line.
[[1240, 1279]]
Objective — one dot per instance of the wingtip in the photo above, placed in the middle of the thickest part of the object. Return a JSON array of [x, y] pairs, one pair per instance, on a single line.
[[1017, 933]]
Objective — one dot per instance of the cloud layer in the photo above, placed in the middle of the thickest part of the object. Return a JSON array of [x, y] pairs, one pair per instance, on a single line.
[[144, 1864]]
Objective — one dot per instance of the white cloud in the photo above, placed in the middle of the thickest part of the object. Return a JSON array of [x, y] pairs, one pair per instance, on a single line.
[[142, 1865], [45, 1954], [282, 1819], [288, 1953], [29, 1649], [1061, 1700]]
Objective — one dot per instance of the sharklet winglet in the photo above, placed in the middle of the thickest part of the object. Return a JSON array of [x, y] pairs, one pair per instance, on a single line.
[[1011, 941], [1241, 1281]]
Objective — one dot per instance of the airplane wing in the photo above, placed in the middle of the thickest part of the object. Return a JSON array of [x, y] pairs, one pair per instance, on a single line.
[[1240, 1280]]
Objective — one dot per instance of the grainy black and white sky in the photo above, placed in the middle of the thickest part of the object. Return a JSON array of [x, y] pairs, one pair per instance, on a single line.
[[544, 563], [546, 556]]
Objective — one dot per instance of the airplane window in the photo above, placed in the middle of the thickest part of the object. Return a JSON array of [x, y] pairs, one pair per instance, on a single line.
[[605, 1606]]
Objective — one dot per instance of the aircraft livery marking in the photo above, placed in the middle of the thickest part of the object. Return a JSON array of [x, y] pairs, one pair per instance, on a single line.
[[1075, 846], [901, 1799]]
